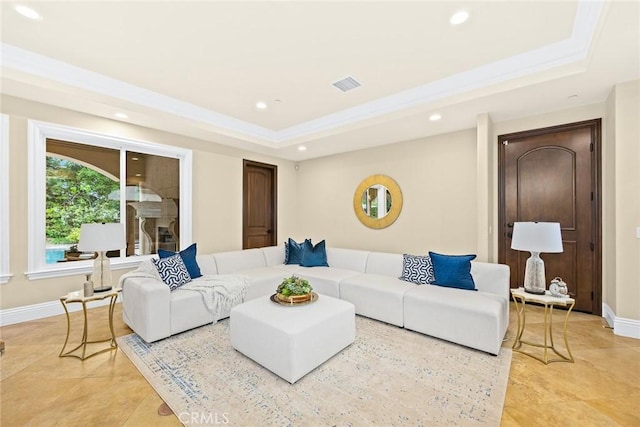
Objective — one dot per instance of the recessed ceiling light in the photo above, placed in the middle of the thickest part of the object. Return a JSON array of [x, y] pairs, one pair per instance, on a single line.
[[121, 115], [27, 12], [135, 158], [459, 17], [261, 105], [302, 148], [138, 174], [435, 117]]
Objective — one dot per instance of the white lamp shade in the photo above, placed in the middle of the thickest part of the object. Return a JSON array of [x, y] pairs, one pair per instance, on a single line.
[[537, 237], [101, 237]]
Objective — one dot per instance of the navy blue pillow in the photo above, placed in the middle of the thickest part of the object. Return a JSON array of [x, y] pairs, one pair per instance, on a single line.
[[293, 251], [188, 257], [314, 256], [453, 271]]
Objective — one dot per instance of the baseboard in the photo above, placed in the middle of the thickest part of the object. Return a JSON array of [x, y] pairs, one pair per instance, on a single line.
[[623, 327], [608, 315], [26, 313]]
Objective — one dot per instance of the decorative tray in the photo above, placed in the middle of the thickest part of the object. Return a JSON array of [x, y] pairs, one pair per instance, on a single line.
[[274, 298]]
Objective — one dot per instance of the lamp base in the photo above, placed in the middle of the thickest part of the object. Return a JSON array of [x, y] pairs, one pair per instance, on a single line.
[[535, 291], [534, 277], [101, 273]]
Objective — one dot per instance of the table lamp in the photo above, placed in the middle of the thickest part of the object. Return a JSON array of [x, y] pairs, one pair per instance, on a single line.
[[536, 237], [101, 238]]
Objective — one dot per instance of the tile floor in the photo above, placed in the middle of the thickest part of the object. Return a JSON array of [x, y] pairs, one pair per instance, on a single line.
[[39, 388]]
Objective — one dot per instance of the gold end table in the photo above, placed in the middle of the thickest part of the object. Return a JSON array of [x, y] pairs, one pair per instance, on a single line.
[[520, 298], [78, 296]]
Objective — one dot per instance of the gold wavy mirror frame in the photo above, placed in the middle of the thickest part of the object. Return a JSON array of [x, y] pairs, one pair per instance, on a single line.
[[386, 206]]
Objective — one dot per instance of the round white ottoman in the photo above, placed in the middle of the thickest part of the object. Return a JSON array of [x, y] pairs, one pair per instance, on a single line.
[[291, 341]]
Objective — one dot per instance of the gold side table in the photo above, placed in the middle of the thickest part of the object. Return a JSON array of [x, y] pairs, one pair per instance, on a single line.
[[78, 296], [520, 298]]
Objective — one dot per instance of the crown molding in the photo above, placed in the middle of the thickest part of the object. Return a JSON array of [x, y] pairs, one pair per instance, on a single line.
[[61, 72], [568, 51], [572, 50]]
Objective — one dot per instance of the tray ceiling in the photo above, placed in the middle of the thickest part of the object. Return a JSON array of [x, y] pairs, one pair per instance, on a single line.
[[198, 68]]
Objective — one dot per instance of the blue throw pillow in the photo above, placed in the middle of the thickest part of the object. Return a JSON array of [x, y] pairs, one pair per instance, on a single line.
[[172, 271], [188, 257], [453, 271], [417, 269], [314, 256], [286, 252], [293, 251]]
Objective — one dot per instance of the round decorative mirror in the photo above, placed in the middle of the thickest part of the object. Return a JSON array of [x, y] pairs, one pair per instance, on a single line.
[[377, 201]]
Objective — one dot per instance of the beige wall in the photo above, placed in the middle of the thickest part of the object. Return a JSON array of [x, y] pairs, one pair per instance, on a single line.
[[608, 205], [217, 189], [437, 176], [440, 178], [486, 151], [627, 199]]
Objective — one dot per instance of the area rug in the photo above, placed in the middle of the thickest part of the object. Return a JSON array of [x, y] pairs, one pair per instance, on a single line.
[[388, 376]]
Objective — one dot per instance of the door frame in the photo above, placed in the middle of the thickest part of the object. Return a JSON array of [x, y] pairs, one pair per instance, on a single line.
[[274, 202], [596, 185]]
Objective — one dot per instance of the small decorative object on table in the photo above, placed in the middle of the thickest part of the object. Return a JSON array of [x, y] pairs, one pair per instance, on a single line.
[[558, 288], [295, 290], [88, 287]]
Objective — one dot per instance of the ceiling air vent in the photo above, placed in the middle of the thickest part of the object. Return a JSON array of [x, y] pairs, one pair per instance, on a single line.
[[347, 84]]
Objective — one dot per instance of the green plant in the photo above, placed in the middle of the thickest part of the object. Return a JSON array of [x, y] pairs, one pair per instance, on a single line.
[[294, 286], [77, 195]]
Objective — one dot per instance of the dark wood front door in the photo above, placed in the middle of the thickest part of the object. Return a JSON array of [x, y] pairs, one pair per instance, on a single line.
[[552, 175], [259, 205]]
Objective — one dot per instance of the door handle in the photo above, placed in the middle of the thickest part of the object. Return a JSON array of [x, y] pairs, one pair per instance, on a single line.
[[268, 231], [509, 234], [510, 224]]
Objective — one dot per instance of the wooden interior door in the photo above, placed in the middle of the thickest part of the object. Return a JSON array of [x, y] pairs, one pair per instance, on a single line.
[[259, 207], [552, 175]]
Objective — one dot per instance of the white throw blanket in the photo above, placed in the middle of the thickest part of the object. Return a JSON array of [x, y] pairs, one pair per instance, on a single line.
[[219, 292]]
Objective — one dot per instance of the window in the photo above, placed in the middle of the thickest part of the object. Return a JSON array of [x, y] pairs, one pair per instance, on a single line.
[[4, 199], [82, 177]]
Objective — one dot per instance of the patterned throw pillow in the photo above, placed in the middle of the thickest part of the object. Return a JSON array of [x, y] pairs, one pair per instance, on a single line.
[[286, 252], [188, 257], [417, 269], [172, 271]]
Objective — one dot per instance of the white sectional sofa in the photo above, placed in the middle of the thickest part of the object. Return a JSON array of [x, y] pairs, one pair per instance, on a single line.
[[369, 280]]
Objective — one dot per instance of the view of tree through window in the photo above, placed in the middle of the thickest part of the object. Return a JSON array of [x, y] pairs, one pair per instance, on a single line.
[[83, 186], [76, 195], [79, 177]]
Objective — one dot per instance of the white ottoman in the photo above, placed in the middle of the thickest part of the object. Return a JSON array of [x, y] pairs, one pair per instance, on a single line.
[[291, 341]]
